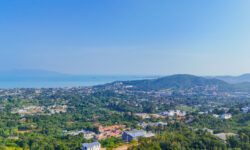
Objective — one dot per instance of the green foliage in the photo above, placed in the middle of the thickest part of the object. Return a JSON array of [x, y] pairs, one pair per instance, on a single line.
[[108, 107], [178, 137], [111, 142]]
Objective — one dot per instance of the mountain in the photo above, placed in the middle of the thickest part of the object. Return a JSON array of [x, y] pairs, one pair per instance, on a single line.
[[179, 81], [234, 79]]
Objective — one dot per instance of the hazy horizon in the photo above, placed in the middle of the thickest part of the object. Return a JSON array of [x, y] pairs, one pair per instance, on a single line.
[[126, 37], [71, 74]]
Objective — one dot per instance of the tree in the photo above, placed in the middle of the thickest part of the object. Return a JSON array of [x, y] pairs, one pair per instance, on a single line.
[[232, 141]]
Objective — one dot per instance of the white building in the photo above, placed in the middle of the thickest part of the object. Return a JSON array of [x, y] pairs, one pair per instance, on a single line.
[[223, 136], [201, 113], [215, 116], [226, 116], [127, 136], [245, 110], [143, 124], [158, 123], [87, 134], [208, 130], [91, 146], [143, 115], [172, 113]]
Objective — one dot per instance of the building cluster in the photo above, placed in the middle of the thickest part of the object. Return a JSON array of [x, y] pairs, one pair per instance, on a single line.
[[128, 136], [245, 110], [173, 113], [190, 119], [144, 124], [28, 110], [40, 110], [223, 116], [226, 116], [222, 136], [143, 115], [87, 134], [91, 146], [110, 131], [57, 109]]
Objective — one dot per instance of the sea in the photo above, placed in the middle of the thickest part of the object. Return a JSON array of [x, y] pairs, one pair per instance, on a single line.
[[65, 81]]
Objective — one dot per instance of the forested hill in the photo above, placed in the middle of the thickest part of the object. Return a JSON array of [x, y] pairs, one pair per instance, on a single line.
[[179, 81], [234, 79]]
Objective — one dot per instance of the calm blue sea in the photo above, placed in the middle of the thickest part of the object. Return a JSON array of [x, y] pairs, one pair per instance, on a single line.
[[64, 81]]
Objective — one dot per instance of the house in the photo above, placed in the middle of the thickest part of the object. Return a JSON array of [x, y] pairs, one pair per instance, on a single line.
[[128, 136], [158, 123], [110, 131], [13, 137], [143, 124], [173, 113], [208, 130], [244, 110], [190, 119], [110, 128], [158, 116], [226, 116], [96, 124], [91, 146], [87, 134], [201, 113], [179, 118], [143, 115], [215, 116], [223, 136]]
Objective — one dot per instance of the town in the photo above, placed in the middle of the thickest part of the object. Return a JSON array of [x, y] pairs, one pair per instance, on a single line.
[[118, 114]]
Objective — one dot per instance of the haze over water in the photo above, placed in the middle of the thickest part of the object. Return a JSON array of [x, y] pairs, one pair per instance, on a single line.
[[63, 81]]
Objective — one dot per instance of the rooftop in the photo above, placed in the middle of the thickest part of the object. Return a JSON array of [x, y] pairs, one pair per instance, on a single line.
[[223, 136], [136, 133], [91, 144]]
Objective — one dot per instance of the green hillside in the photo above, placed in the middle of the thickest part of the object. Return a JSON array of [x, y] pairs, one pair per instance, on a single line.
[[181, 81]]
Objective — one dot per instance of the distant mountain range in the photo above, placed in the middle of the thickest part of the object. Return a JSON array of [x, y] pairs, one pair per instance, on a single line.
[[234, 79], [183, 77], [181, 81]]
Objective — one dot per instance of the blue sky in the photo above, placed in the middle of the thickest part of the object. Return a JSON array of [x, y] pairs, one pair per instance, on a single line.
[[202, 37]]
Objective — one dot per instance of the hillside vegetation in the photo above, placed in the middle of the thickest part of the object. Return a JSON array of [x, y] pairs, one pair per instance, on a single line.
[[180, 82]]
